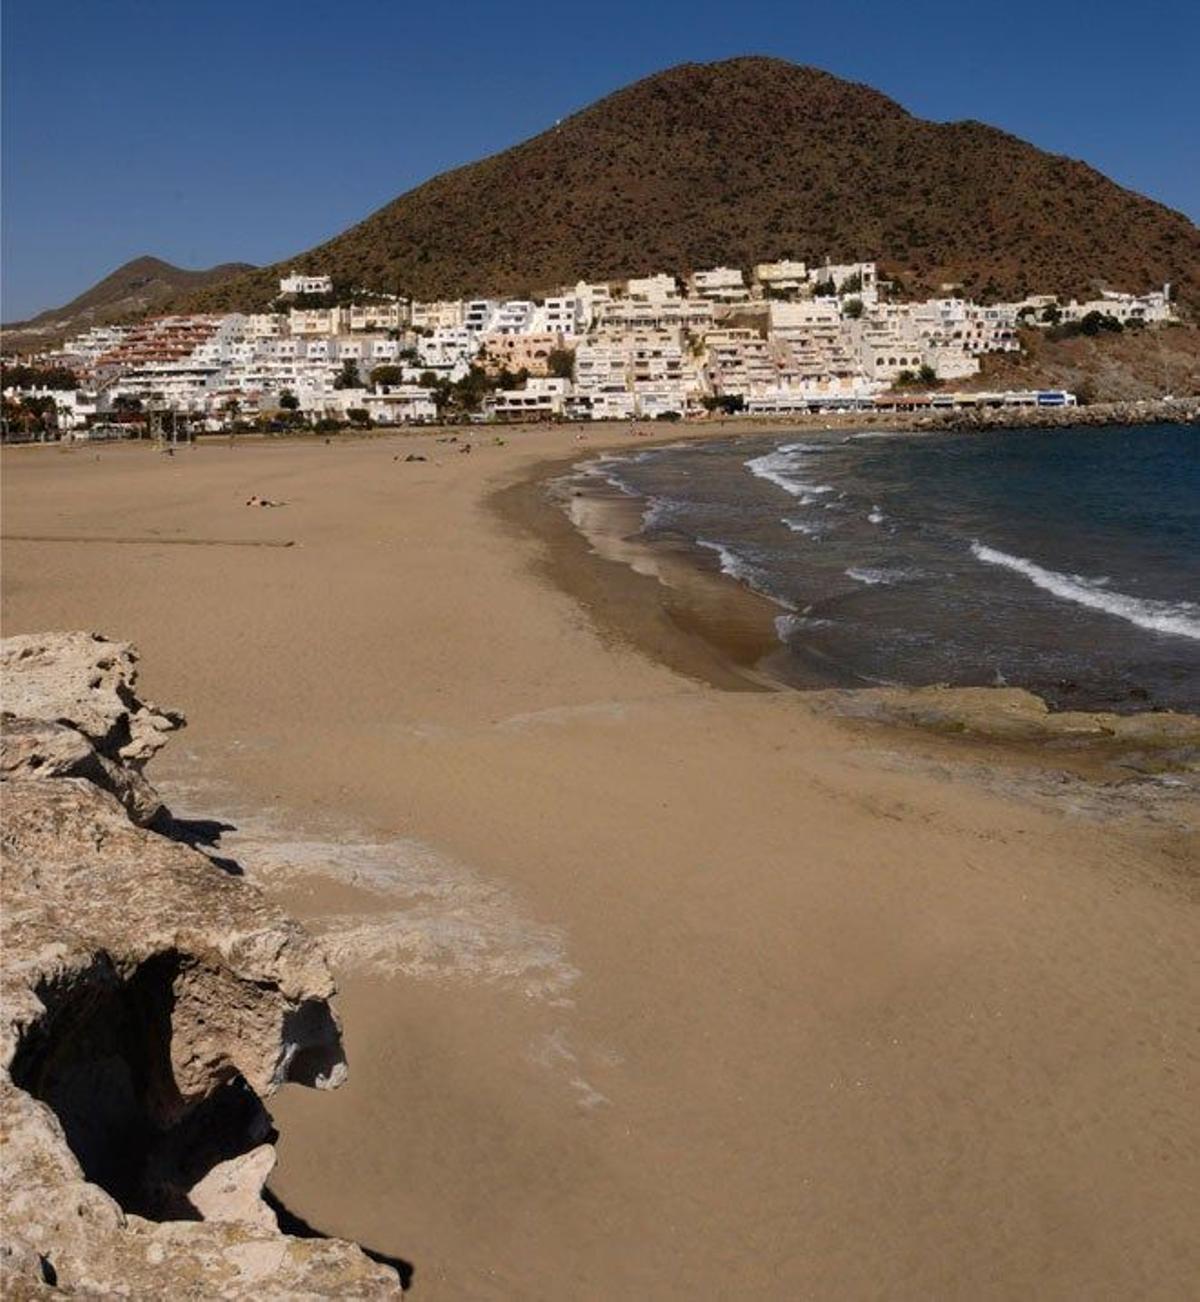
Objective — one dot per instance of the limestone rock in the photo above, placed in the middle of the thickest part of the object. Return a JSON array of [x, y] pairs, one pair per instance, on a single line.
[[70, 710], [149, 1003], [232, 1191], [1155, 740]]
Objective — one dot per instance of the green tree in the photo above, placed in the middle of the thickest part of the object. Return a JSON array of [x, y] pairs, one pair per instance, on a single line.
[[38, 377], [358, 416], [471, 390], [561, 363], [1095, 322], [347, 377], [852, 284], [727, 403], [387, 375], [927, 375], [852, 309], [288, 401]]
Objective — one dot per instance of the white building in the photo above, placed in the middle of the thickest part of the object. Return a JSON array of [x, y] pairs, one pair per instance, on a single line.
[[659, 288], [378, 316], [849, 279], [317, 320], [478, 314], [1145, 309], [719, 285], [402, 404], [563, 315], [181, 386], [784, 276], [510, 317], [542, 398], [296, 283], [445, 314]]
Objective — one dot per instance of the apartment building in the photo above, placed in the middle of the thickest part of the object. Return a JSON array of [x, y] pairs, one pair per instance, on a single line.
[[378, 316], [478, 315], [564, 315], [659, 288], [518, 352], [719, 285], [309, 321], [740, 362], [625, 314], [441, 315], [784, 276], [542, 398]]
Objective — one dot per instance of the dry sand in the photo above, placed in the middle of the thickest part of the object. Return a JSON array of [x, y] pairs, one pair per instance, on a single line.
[[652, 988]]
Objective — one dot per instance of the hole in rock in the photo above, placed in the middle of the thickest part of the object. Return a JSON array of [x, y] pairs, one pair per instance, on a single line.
[[100, 1059]]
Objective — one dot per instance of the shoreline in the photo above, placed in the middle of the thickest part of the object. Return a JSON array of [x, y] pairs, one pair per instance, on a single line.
[[666, 602]]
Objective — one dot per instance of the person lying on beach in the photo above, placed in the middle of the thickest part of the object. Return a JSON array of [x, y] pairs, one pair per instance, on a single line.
[[262, 501]]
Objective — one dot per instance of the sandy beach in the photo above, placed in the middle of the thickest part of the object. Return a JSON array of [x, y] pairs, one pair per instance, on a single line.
[[656, 981]]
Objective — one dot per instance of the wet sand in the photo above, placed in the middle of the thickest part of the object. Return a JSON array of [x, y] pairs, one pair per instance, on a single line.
[[656, 982]]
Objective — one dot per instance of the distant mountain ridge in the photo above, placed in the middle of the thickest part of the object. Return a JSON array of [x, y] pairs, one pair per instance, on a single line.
[[748, 160], [133, 288]]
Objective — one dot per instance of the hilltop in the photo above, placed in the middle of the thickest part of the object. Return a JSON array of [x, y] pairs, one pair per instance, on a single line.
[[133, 288], [748, 159]]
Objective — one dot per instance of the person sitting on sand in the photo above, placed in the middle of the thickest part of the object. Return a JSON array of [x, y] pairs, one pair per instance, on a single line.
[[261, 501]]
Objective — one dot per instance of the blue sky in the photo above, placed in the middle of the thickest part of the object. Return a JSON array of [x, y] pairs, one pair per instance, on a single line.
[[246, 130]]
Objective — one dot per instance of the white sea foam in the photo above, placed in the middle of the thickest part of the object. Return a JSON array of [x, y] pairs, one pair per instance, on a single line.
[[604, 468], [873, 575], [1181, 618], [780, 467], [862, 574], [658, 511], [786, 624], [875, 516], [802, 526], [731, 563]]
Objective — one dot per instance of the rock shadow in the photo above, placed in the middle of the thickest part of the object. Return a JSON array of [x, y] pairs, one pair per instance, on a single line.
[[201, 834], [299, 1228]]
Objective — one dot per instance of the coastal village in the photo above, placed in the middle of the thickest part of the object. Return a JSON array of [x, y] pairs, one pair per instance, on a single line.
[[784, 338]]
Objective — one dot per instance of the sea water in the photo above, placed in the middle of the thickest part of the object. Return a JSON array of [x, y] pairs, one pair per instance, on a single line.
[[1066, 561]]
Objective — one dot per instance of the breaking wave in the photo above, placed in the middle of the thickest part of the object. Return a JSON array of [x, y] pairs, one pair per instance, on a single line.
[[779, 468], [737, 567], [873, 576], [1180, 618]]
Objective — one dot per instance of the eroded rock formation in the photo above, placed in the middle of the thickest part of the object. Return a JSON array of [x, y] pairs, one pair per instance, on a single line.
[[150, 1002]]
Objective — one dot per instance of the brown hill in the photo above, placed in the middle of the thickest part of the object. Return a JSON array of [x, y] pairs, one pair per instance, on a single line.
[[748, 159], [130, 290]]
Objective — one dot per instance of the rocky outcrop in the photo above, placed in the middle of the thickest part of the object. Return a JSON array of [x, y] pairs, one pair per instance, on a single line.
[[150, 1002], [1153, 741], [70, 711]]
